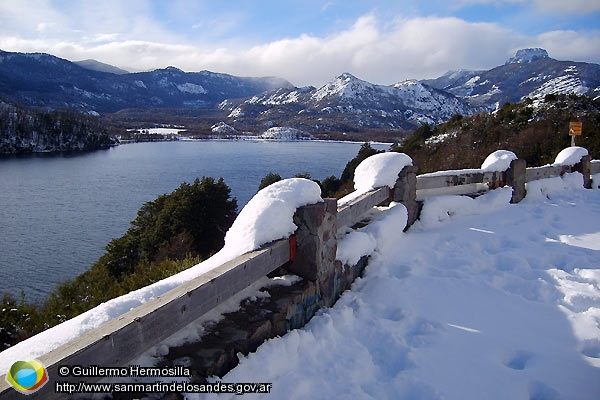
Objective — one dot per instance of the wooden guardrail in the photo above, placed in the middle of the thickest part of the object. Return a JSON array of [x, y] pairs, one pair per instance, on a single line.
[[517, 175], [350, 213], [129, 335], [124, 338]]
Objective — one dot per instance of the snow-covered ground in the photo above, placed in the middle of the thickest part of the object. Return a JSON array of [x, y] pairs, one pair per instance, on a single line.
[[481, 299]]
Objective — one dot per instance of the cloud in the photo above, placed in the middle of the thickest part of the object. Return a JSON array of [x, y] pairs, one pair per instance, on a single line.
[[406, 48], [571, 45], [379, 50]]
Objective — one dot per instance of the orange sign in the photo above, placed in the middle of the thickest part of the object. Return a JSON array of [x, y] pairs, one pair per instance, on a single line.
[[575, 128]]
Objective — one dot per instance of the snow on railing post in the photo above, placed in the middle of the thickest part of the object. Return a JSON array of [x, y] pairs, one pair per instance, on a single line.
[[516, 178], [405, 192]]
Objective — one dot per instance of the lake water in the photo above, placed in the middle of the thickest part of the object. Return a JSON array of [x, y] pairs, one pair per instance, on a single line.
[[58, 212]]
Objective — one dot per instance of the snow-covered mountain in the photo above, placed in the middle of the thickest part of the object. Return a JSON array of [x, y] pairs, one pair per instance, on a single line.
[[345, 104], [530, 73], [44, 80], [348, 101]]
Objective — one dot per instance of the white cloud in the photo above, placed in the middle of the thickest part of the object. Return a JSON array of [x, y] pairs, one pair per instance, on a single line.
[[380, 51], [571, 45], [409, 48]]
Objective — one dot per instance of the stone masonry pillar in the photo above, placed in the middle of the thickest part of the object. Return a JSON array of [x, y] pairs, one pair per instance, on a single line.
[[405, 192], [316, 245], [585, 167], [515, 177]]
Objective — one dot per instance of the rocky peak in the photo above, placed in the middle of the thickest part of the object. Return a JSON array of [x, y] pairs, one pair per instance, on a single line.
[[525, 56]]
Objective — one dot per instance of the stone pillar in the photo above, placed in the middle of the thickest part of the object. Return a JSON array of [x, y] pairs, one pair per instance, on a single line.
[[405, 192], [515, 177], [315, 239], [585, 167]]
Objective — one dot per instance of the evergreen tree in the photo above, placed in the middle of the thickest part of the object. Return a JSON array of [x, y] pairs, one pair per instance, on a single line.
[[270, 178], [191, 220]]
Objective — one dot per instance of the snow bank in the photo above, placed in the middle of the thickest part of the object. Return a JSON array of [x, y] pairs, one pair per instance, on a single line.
[[570, 156], [377, 235], [267, 217], [546, 188], [498, 161], [439, 209], [376, 171], [354, 246]]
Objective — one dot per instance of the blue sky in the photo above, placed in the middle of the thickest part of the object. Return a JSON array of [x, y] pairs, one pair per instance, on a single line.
[[307, 42]]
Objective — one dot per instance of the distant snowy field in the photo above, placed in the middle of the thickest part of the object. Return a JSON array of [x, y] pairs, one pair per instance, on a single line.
[[481, 299]]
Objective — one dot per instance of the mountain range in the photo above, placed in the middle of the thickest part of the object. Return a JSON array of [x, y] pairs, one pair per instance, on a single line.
[[42, 80], [346, 103]]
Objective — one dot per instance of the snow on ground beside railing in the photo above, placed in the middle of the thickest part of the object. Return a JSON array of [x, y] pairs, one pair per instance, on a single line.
[[267, 217], [494, 300], [375, 236], [546, 188]]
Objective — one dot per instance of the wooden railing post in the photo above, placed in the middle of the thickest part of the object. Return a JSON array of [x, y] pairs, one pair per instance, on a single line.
[[585, 167], [516, 178], [405, 192]]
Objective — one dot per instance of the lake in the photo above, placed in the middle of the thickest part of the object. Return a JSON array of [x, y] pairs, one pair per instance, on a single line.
[[58, 212]]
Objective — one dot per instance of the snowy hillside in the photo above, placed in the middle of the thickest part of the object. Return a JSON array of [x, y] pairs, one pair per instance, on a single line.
[[347, 99], [530, 73], [347, 102]]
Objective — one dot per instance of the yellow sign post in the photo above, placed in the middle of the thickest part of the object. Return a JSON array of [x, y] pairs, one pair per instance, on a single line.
[[575, 129]]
